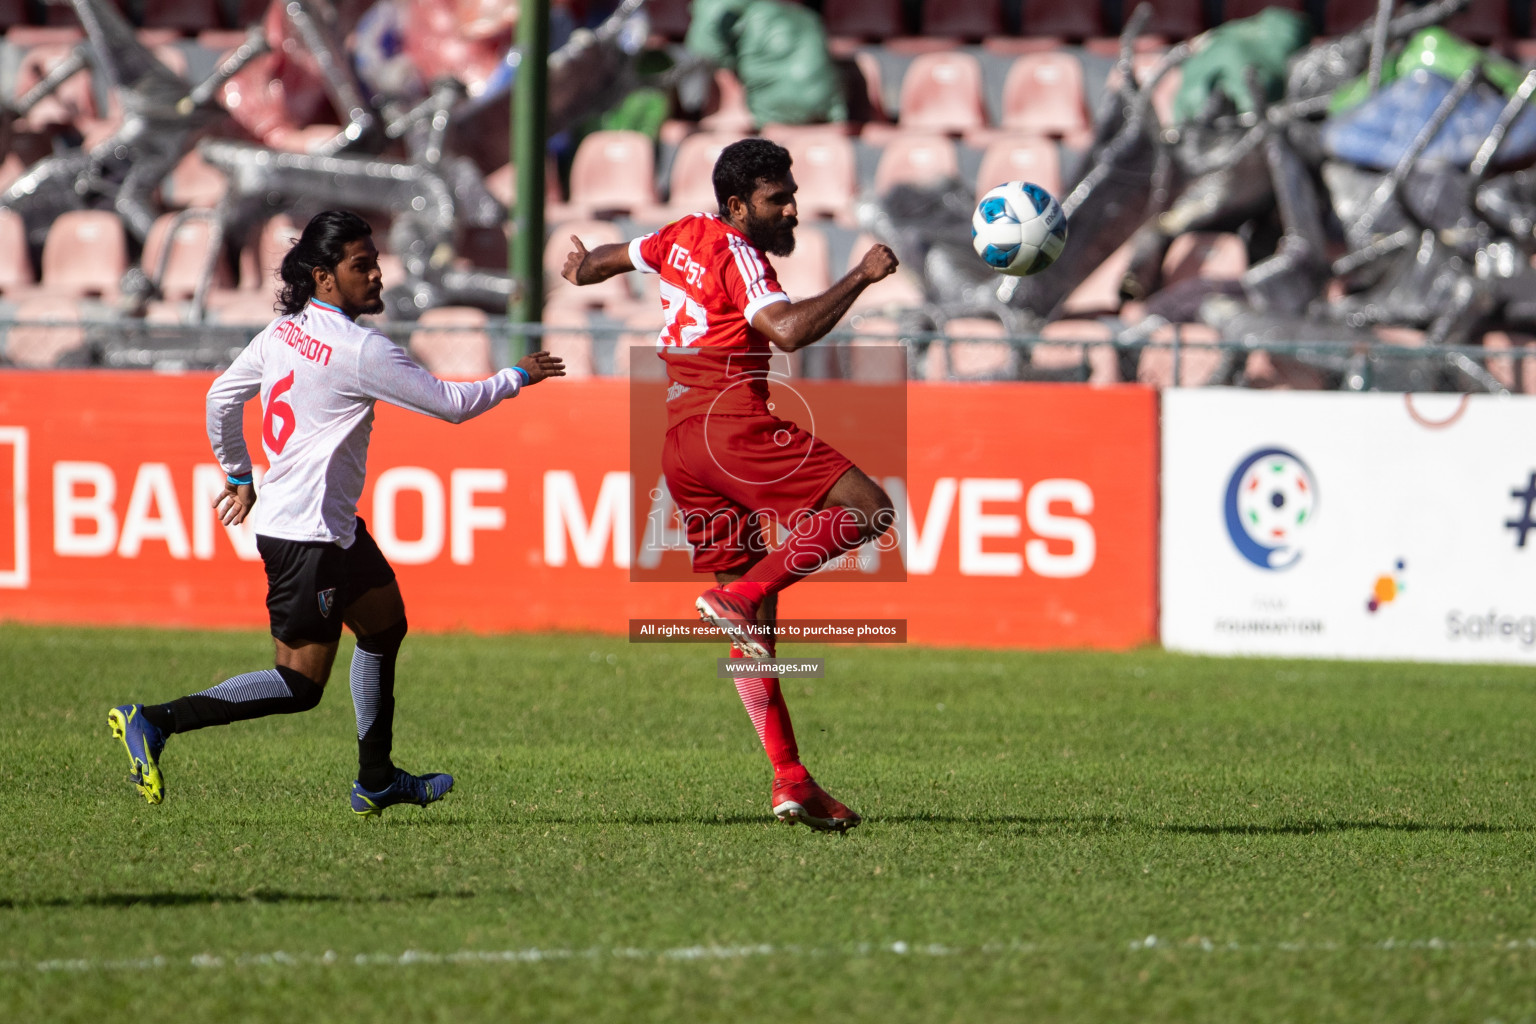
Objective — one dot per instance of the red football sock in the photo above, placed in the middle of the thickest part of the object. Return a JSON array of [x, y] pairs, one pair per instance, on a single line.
[[815, 542], [765, 705]]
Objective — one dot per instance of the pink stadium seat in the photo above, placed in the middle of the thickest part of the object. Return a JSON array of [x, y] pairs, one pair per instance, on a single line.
[[1174, 19], [727, 109], [692, 177], [188, 254], [614, 292], [248, 12], [1208, 254], [864, 19], [808, 270], [193, 182], [1284, 373], [71, 103], [502, 184], [186, 15], [916, 159], [898, 292], [54, 330], [1518, 375], [979, 359], [11, 168], [825, 166], [85, 254], [12, 12], [1100, 291], [1070, 19], [571, 340], [259, 270], [971, 20], [941, 92], [1197, 366], [1103, 364], [613, 170], [451, 341], [15, 264], [1044, 95], [1020, 158]]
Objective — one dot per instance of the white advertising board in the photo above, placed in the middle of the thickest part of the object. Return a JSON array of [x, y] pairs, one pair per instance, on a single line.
[[1349, 525]]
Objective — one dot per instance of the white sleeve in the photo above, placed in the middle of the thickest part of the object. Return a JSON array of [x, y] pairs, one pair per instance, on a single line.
[[386, 373], [637, 258], [226, 408]]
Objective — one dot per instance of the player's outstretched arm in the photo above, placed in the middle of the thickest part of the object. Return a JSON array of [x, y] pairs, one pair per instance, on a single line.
[[794, 325], [541, 365], [595, 266]]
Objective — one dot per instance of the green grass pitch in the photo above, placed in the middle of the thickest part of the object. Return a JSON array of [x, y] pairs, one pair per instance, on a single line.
[[1074, 836]]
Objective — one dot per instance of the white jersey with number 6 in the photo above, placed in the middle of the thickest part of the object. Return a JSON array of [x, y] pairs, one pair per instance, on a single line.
[[319, 374]]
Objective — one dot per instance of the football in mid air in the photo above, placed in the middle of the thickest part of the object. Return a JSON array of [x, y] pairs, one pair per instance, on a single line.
[[1018, 228]]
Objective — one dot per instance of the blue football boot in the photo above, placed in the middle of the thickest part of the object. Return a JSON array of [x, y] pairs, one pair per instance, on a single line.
[[144, 743], [406, 789]]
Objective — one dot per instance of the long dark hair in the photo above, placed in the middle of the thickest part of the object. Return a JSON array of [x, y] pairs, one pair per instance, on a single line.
[[322, 244]]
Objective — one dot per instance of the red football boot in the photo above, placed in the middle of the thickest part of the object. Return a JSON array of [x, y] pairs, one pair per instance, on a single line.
[[811, 805], [736, 616]]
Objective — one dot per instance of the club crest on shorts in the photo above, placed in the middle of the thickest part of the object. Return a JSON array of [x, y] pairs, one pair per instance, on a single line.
[[327, 601]]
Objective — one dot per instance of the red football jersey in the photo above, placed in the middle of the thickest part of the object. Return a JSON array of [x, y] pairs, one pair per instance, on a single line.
[[713, 282]]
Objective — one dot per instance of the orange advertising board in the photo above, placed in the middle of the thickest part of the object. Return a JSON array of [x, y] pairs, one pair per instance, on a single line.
[[1028, 514]]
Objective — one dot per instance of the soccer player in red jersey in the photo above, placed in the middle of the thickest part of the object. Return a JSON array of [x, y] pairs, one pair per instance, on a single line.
[[723, 306]]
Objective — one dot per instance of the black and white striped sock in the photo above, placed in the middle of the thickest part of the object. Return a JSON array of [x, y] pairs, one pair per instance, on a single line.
[[272, 691], [373, 698]]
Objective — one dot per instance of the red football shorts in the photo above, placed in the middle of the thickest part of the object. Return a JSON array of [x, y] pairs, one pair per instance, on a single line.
[[732, 476]]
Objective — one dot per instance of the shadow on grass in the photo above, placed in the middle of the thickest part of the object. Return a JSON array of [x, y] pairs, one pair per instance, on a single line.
[[190, 899], [1302, 828]]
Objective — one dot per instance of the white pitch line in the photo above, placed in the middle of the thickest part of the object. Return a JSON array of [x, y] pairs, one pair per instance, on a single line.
[[535, 955]]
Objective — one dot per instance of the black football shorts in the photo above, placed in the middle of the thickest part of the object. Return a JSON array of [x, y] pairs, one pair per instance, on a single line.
[[310, 584]]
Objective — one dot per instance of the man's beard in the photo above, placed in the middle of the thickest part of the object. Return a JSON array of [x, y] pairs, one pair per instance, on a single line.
[[773, 239]]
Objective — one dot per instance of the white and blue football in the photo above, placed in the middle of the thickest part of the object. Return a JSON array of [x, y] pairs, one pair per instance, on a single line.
[[1018, 228]]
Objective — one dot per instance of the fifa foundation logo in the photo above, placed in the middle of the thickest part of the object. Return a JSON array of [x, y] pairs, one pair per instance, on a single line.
[[1271, 499]]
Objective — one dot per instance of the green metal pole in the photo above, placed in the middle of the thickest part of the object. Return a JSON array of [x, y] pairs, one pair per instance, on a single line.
[[529, 110]]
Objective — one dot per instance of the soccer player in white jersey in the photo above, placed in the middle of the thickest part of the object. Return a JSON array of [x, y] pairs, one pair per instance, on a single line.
[[319, 373]]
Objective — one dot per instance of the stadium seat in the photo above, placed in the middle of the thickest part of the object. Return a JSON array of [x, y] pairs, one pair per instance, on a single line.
[[188, 255], [876, 360], [941, 92], [15, 262], [727, 109], [1100, 361], [1485, 21], [244, 13], [1217, 255], [972, 357], [259, 270], [193, 182], [570, 340], [825, 166], [451, 341], [85, 254], [11, 168], [807, 271], [898, 292], [691, 181], [44, 330], [634, 353], [1068, 19], [502, 185], [1283, 373], [972, 20], [1197, 366], [915, 159], [72, 103], [1020, 158], [612, 293], [864, 19], [1044, 95], [1100, 291], [613, 171], [1173, 19], [1516, 374], [12, 12]]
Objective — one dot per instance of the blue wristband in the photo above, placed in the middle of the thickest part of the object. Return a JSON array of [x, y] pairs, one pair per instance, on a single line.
[[527, 377], [238, 480]]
